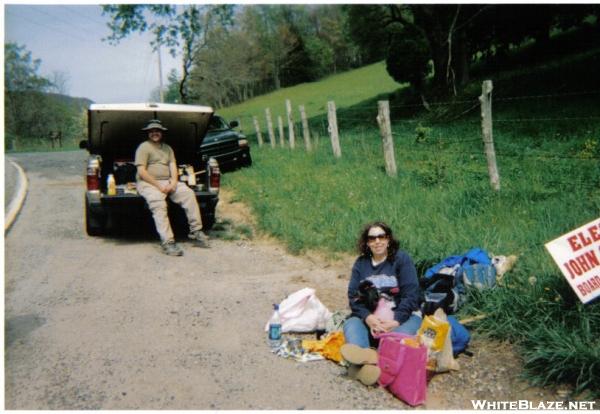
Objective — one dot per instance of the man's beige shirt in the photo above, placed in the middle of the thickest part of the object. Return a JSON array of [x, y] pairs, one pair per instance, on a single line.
[[156, 159]]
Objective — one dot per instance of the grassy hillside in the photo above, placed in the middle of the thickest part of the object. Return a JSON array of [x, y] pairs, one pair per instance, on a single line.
[[347, 89], [547, 136]]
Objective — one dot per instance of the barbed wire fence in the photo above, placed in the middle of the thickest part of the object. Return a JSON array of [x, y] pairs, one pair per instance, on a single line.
[[321, 127]]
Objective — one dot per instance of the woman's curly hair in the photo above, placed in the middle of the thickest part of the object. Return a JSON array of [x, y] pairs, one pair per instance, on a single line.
[[393, 244]]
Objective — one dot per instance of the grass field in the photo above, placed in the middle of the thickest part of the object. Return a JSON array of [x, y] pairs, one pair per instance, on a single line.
[[348, 89], [547, 135]]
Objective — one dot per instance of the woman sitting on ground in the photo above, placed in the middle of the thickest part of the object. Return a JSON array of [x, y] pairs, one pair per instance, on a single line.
[[383, 293]]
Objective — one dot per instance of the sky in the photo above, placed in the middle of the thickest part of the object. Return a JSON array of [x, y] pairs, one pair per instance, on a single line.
[[67, 38]]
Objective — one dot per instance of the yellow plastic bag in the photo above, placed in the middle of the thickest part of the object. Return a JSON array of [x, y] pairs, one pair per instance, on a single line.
[[329, 346], [433, 331]]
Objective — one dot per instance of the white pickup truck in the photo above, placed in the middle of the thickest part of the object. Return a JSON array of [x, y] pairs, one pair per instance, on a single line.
[[114, 133]]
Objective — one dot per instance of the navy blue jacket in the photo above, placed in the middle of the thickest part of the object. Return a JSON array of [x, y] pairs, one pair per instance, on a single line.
[[399, 277]]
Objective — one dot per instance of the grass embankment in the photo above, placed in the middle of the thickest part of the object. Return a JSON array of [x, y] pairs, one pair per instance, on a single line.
[[441, 203], [347, 89]]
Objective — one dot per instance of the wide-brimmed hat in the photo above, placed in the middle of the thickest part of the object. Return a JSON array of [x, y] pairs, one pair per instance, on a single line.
[[154, 124]]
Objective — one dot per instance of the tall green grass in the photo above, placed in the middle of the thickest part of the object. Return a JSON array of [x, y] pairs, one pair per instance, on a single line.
[[441, 202]]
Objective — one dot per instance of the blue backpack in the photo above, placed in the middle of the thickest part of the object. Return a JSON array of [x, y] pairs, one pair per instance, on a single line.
[[480, 276], [460, 336], [445, 285]]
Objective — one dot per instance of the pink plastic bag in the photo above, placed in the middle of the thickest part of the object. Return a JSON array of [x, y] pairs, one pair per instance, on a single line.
[[403, 368], [385, 309]]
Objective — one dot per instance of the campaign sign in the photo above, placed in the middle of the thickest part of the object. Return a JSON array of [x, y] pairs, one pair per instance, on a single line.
[[577, 253]]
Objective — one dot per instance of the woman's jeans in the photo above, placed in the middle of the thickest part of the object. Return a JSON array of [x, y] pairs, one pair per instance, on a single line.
[[358, 333]]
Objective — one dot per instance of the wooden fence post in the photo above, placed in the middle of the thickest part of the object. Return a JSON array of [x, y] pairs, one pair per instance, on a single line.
[[305, 131], [281, 134], [288, 107], [486, 129], [385, 126], [257, 128], [333, 129], [270, 127]]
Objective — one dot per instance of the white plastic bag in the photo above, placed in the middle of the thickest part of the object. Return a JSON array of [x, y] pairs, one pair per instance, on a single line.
[[302, 311]]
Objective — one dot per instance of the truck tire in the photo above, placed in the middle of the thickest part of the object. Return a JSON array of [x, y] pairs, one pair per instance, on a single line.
[[208, 221], [248, 161]]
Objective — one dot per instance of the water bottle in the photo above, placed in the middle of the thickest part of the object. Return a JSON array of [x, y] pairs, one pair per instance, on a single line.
[[275, 328]]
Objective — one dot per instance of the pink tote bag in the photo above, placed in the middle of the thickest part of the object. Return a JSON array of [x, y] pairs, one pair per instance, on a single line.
[[403, 368]]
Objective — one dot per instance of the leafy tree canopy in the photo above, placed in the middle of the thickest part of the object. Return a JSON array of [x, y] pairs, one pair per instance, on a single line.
[[453, 34], [21, 70], [174, 26]]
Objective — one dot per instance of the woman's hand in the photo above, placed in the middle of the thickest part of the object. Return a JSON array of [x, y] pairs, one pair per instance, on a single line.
[[389, 326], [375, 324]]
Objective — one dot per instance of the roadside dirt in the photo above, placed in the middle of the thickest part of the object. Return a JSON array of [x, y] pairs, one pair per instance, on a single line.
[[111, 323], [492, 373]]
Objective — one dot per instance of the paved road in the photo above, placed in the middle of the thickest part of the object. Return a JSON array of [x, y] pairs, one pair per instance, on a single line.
[[101, 323]]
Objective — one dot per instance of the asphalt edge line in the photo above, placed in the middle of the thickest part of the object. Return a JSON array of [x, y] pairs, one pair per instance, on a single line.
[[15, 205]]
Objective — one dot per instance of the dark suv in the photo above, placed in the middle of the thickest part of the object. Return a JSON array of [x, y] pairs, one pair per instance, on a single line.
[[229, 147], [114, 133]]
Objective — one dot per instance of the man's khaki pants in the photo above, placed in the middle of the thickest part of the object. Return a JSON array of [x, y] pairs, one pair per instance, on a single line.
[[157, 202]]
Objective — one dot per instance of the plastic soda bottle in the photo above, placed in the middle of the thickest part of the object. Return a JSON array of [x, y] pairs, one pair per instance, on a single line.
[[111, 185], [275, 328]]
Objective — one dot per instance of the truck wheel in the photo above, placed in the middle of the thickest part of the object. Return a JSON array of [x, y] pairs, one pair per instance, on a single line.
[[208, 222], [248, 161], [94, 223]]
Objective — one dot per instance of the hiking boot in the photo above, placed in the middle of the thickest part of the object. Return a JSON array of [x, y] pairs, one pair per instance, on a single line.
[[357, 355], [367, 374], [171, 248], [200, 239]]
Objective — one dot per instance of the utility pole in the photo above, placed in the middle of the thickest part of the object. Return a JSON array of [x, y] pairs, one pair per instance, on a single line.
[[160, 77]]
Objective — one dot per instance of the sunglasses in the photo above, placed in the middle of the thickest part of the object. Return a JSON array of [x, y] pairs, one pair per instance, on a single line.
[[374, 237]]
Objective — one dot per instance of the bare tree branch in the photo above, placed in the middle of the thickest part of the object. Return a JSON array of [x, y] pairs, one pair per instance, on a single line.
[[450, 76]]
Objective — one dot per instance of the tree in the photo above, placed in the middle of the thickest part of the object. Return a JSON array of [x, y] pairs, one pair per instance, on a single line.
[[330, 30], [60, 82], [181, 28], [297, 66], [408, 58], [271, 37], [229, 71], [20, 70], [367, 31], [30, 110], [25, 103], [444, 28], [453, 34]]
